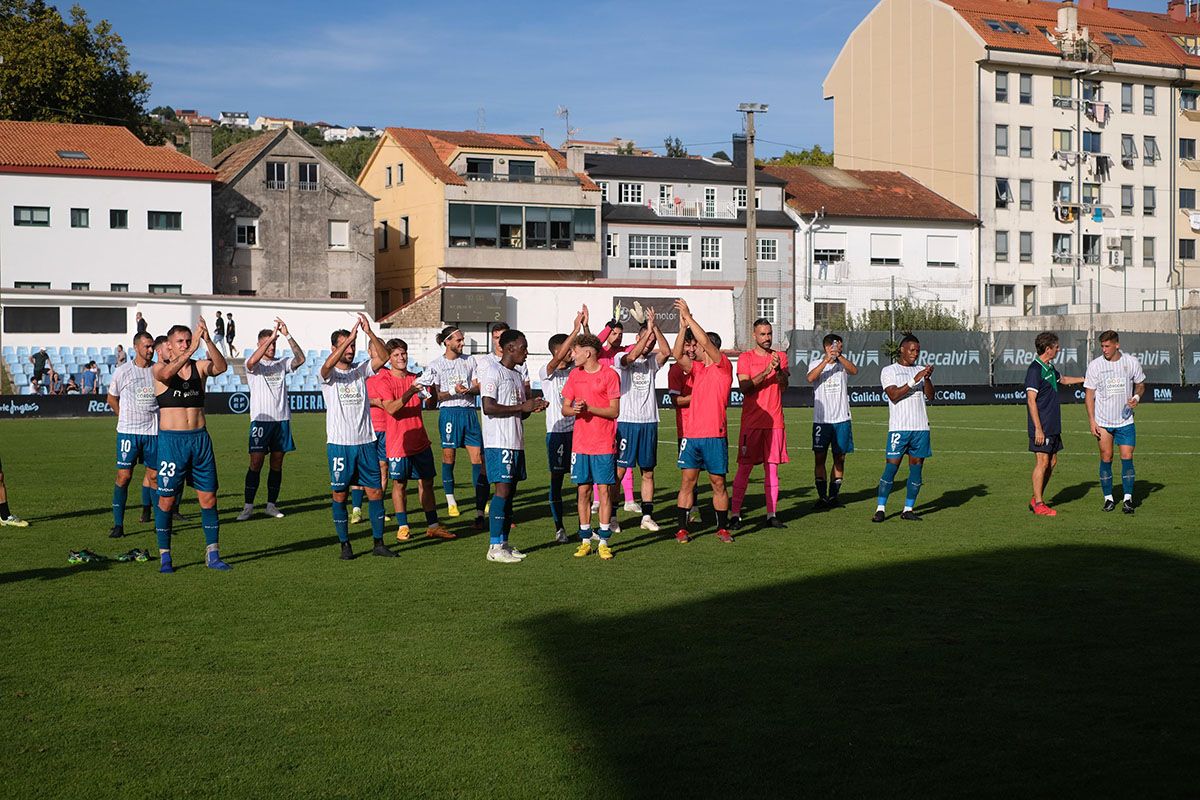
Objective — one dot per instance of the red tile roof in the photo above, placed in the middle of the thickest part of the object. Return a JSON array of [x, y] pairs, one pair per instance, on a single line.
[[1151, 29], [34, 147], [433, 148], [230, 162], [865, 193]]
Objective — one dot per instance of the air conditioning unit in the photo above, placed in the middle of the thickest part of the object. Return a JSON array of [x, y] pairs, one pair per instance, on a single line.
[[1116, 258], [1112, 242]]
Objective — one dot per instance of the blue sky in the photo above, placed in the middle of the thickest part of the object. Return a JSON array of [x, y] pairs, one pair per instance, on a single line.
[[638, 70]]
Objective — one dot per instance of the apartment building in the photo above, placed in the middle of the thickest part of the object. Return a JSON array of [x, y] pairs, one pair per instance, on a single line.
[[866, 237], [682, 222], [463, 206], [1065, 128]]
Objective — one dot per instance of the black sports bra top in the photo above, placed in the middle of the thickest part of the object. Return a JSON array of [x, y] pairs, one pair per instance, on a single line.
[[184, 392]]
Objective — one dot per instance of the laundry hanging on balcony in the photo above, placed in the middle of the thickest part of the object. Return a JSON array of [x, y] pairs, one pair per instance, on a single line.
[[1100, 112], [1101, 170], [1097, 214], [1194, 220]]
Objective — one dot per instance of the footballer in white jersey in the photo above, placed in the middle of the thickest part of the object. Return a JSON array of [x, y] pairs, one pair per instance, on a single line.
[[454, 378], [506, 404], [637, 418], [908, 387], [131, 397], [1114, 384], [270, 415], [831, 429], [350, 447]]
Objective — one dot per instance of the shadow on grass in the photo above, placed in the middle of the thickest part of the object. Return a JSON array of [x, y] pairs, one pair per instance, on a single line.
[[953, 498], [1052, 671]]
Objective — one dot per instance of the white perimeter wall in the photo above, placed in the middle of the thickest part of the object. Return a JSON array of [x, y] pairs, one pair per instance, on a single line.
[[99, 255], [309, 321]]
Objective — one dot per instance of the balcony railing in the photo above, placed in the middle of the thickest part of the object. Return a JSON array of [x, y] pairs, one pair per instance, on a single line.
[[278, 186], [308, 186], [697, 209], [562, 178]]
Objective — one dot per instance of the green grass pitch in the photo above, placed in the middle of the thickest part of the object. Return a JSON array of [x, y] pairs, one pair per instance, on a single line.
[[982, 651]]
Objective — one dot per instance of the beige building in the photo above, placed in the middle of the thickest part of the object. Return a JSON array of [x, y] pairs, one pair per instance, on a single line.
[[461, 206], [1067, 129]]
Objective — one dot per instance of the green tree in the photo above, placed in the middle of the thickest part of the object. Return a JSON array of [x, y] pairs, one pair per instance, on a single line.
[[675, 148], [351, 155], [909, 315], [68, 70], [311, 135], [813, 157], [721, 154], [625, 149]]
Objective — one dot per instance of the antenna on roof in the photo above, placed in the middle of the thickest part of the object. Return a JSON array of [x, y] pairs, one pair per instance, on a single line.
[[564, 113]]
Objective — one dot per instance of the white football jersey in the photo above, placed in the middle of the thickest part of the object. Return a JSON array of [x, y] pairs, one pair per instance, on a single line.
[[446, 373], [507, 388], [909, 414], [552, 386], [831, 394], [268, 389], [1113, 382], [133, 386], [347, 407], [638, 400]]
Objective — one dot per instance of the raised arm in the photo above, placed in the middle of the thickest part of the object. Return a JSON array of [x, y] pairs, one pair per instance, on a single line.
[[683, 361], [165, 370], [375, 346], [702, 340], [215, 364], [663, 350], [640, 346], [564, 350], [261, 350], [298, 357], [338, 352]]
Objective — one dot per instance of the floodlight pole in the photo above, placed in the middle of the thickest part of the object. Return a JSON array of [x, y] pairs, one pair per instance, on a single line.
[[750, 289]]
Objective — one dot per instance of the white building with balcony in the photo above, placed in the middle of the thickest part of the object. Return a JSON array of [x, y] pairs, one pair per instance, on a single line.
[[869, 237], [682, 222]]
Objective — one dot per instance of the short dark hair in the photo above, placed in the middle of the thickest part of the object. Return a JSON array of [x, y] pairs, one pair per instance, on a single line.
[[336, 335], [908, 337], [446, 333], [715, 338], [509, 336], [1045, 341], [556, 342], [174, 329], [830, 338], [141, 335], [688, 336], [616, 323], [762, 321], [501, 326], [588, 340], [159, 341], [1109, 336], [264, 333], [392, 344]]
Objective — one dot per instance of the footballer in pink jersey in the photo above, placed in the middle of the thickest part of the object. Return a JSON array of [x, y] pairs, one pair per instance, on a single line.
[[762, 376]]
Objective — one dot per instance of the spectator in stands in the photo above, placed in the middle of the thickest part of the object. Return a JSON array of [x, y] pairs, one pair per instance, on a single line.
[[229, 331], [121, 356], [219, 332], [90, 378], [70, 387], [53, 384], [41, 365], [141, 322]]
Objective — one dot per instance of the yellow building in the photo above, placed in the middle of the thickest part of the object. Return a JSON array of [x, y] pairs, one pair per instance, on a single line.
[[463, 206]]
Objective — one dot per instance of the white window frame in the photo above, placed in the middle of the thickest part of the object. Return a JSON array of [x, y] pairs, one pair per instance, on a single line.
[[666, 193], [710, 253], [768, 308], [241, 236], [603, 191], [273, 169], [339, 225], [656, 251], [387, 177], [399, 174], [741, 192], [882, 243], [403, 231], [767, 249], [710, 201], [612, 245], [312, 185], [935, 244], [631, 194]]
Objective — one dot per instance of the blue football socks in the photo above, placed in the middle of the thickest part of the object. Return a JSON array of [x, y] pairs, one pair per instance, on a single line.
[[120, 498], [1106, 478], [1127, 476], [885, 482], [341, 521]]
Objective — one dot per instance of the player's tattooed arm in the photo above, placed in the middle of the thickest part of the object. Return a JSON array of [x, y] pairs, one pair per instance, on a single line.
[[339, 351], [281, 329], [375, 346]]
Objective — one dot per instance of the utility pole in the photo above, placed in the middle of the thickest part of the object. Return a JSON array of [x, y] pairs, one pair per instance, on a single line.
[[750, 289]]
